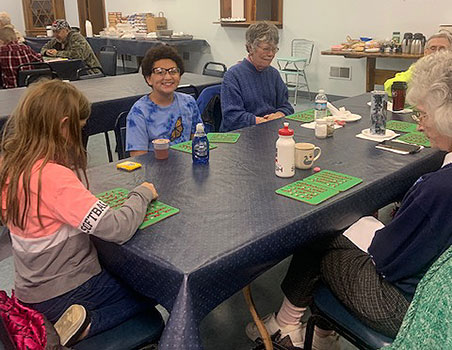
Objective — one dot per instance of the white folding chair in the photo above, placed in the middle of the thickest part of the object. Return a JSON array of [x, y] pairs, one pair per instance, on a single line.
[[295, 65]]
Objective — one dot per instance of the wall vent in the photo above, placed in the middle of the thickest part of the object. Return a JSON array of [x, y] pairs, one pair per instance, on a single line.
[[344, 73]]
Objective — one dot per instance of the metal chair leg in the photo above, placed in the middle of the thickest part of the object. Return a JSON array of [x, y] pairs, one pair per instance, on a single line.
[[307, 85], [107, 141], [296, 89]]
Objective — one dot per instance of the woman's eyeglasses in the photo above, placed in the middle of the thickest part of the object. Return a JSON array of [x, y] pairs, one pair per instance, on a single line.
[[418, 116], [162, 71], [269, 49]]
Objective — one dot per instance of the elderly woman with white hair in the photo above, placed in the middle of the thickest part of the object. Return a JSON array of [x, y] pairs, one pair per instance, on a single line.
[[253, 91], [377, 283]]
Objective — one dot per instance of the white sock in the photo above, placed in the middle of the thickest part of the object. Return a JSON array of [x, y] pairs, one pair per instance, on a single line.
[[322, 333], [289, 314]]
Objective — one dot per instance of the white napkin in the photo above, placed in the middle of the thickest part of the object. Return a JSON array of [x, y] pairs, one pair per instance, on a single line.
[[311, 125]]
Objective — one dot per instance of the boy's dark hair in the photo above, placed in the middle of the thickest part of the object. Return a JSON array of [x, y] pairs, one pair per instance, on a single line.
[[160, 52]]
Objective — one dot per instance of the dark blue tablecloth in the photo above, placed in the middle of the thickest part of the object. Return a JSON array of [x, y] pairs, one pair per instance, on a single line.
[[129, 46], [36, 43], [109, 96], [139, 47], [232, 226]]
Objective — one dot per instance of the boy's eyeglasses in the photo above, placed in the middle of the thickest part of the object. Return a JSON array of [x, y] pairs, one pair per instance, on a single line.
[[162, 71]]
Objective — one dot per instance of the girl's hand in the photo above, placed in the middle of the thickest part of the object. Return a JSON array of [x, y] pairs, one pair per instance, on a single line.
[[151, 187]]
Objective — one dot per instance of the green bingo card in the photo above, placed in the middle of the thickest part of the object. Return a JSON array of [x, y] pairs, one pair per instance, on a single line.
[[307, 192], [305, 116], [218, 137], [417, 138], [157, 211], [398, 125], [186, 146], [331, 179]]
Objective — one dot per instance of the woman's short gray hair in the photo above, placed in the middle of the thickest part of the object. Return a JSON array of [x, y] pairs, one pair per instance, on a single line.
[[261, 32], [431, 87], [5, 19]]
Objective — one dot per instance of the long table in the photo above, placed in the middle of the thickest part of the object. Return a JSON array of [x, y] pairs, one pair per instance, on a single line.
[[139, 47], [109, 96], [374, 75], [128, 46], [232, 226]]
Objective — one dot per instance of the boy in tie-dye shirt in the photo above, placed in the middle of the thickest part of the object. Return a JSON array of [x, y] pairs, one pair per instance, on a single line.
[[164, 113]]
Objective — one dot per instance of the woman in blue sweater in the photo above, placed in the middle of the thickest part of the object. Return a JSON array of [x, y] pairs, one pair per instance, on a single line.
[[377, 280], [253, 91]]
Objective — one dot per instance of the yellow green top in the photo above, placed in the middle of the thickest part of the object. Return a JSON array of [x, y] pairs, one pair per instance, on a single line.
[[402, 76]]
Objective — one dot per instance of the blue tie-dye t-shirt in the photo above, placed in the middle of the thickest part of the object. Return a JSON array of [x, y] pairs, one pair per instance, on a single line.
[[148, 121]]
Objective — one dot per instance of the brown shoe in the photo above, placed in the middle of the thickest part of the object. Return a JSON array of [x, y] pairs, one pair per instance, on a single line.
[[71, 324]]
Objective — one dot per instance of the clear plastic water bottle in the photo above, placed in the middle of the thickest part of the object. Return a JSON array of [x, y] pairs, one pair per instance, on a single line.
[[320, 105], [200, 146]]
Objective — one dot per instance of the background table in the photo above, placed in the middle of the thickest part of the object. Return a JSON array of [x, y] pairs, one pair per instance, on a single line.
[[128, 46], [109, 96], [373, 75], [139, 47], [232, 226]]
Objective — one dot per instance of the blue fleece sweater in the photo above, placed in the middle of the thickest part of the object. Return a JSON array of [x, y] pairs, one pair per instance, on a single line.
[[419, 233], [247, 93]]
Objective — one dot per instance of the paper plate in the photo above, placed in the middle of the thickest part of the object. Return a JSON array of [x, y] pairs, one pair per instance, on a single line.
[[348, 118], [389, 133]]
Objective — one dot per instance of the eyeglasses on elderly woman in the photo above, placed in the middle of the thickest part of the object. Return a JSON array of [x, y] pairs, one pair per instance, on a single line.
[[418, 116], [267, 48]]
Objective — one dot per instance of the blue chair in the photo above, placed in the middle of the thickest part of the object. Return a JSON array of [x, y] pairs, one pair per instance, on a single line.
[[138, 331], [329, 308], [208, 70], [209, 106], [120, 135]]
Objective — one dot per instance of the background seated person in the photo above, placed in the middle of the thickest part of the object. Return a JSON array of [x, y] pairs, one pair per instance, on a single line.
[[70, 44], [164, 113], [5, 21], [376, 281], [253, 91], [437, 42], [12, 55]]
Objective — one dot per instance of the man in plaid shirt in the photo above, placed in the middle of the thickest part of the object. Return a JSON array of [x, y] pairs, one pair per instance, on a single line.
[[12, 55]]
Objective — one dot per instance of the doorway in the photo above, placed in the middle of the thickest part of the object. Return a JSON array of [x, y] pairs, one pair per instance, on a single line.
[[93, 10]]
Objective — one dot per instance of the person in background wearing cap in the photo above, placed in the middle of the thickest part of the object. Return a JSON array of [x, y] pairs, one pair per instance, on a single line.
[[437, 42], [69, 43]]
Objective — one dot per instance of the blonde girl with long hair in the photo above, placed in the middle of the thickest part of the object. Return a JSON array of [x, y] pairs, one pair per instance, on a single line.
[[51, 214]]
